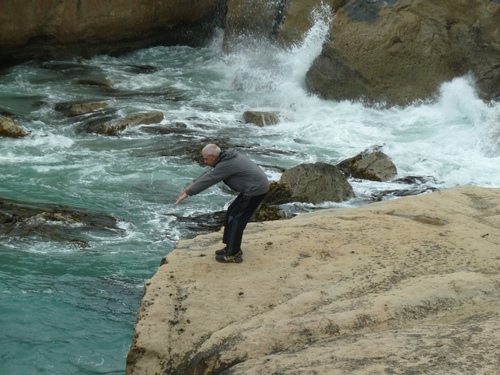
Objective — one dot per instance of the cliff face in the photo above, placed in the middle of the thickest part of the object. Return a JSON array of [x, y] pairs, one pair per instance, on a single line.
[[395, 52], [402, 51], [409, 285], [58, 29]]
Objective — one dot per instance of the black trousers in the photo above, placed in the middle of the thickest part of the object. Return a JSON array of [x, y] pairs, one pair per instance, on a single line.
[[237, 216]]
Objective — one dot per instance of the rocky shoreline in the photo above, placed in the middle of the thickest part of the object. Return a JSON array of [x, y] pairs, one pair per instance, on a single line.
[[380, 52], [407, 285]]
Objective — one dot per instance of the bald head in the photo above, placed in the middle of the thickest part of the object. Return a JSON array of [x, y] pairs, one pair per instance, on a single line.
[[210, 154], [211, 150]]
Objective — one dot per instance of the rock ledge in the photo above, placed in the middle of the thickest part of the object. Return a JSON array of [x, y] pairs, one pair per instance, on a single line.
[[408, 285]]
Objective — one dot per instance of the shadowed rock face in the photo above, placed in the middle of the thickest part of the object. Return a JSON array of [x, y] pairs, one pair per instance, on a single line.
[[54, 29], [399, 52], [392, 52]]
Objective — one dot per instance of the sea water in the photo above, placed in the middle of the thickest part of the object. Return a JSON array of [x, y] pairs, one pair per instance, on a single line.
[[67, 309]]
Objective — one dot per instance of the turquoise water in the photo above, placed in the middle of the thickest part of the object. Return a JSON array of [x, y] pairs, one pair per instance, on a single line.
[[70, 309]]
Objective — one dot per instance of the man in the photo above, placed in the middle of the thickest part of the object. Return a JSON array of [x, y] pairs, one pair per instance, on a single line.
[[240, 174]]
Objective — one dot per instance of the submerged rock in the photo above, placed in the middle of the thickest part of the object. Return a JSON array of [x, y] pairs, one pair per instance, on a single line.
[[52, 222], [75, 109], [115, 126], [403, 286]]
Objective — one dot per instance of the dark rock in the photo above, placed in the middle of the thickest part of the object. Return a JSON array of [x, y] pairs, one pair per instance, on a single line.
[[96, 82], [51, 222], [415, 185], [173, 128], [210, 222], [279, 193], [389, 194], [268, 213], [416, 180]]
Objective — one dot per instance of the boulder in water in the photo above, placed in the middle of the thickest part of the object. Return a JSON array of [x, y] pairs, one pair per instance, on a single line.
[[52, 222], [8, 128], [75, 109], [369, 165], [260, 118], [114, 127], [316, 183]]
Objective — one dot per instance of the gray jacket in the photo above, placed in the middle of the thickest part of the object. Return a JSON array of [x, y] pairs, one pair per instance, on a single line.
[[237, 171]]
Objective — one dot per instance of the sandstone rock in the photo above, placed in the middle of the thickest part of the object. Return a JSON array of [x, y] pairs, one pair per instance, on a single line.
[[316, 183], [369, 165], [396, 52], [55, 29], [8, 128], [261, 118], [403, 286]]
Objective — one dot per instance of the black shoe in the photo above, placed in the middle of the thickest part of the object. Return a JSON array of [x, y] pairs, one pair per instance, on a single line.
[[223, 252], [220, 252], [229, 258]]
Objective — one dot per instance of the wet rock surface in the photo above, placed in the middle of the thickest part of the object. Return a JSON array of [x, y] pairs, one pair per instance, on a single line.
[[371, 165], [398, 52], [50, 222], [9, 128], [260, 118]]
